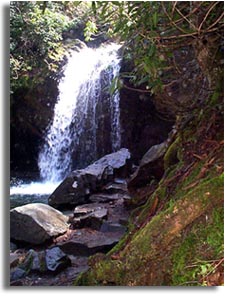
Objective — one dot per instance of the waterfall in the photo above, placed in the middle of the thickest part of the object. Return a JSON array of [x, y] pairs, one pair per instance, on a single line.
[[85, 114]]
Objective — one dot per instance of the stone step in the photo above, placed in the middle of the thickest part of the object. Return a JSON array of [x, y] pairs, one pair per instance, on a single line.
[[112, 227], [104, 197], [88, 217], [115, 187], [86, 242]]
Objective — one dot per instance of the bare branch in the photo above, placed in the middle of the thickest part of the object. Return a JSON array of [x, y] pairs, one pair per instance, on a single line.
[[186, 19], [171, 20], [207, 14]]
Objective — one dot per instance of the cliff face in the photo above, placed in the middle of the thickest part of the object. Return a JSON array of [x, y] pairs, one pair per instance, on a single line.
[[176, 236], [142, 125], [31, 112]]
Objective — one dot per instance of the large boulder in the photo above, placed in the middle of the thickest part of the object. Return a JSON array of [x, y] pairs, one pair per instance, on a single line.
[[77, 187], [151, 166], [35, 223]]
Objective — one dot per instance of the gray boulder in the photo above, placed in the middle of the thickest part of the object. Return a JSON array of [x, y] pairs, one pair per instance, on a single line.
[[77, 187], [17, 274], [56, 259], [35, 223], [151, 166]]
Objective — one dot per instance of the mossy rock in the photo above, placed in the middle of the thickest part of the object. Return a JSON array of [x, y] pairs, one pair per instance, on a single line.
[[171, 155], [195, 253]]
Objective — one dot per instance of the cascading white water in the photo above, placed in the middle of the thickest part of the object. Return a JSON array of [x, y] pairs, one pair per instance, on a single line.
[[76, 121], [115, 116]]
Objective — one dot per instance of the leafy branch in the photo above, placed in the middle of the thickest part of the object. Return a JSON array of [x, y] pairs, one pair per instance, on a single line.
[[153, 30]]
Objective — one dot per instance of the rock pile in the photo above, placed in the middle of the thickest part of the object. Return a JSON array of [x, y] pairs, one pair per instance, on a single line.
[[81, 184], [97, 198], [94, 226]]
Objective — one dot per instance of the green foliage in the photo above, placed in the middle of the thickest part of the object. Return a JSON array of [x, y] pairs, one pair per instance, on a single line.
[[36, 37], [152, 30], [115, 85], [90, 30]]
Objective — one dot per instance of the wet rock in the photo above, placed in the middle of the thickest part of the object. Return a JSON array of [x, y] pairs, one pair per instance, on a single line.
[[120, 181], [120, 186], [13, 259], [83, 210], [104, 197], [78, 186], [116, 211], [89, 217], [56, 259], [13, 246], [34, 261], [17, 274], [112, 227], [50, 260], [35, 223], [123, 221], [63, 277], [100, 214], [151, 166], [86, 242]]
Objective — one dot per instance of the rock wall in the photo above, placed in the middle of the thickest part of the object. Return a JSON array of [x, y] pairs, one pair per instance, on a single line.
[[31, 111], [142, 126]]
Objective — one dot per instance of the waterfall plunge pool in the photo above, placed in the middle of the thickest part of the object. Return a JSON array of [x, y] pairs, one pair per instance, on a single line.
[[33, 192]]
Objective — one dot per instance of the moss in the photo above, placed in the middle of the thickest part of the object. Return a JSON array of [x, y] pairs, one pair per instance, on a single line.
[[199, 248], [214, 232], [121, 244], [168, 225], [193, 202], [149, 208], [171, 156], [106, 272], [193, 177], [187, 182], [135, 262], [217, 96]]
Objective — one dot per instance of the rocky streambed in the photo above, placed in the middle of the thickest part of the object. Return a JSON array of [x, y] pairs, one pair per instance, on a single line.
[[51, 246], [86, 214]]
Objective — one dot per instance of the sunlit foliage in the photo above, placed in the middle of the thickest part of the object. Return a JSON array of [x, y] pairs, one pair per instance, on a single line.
[[36, 36]]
